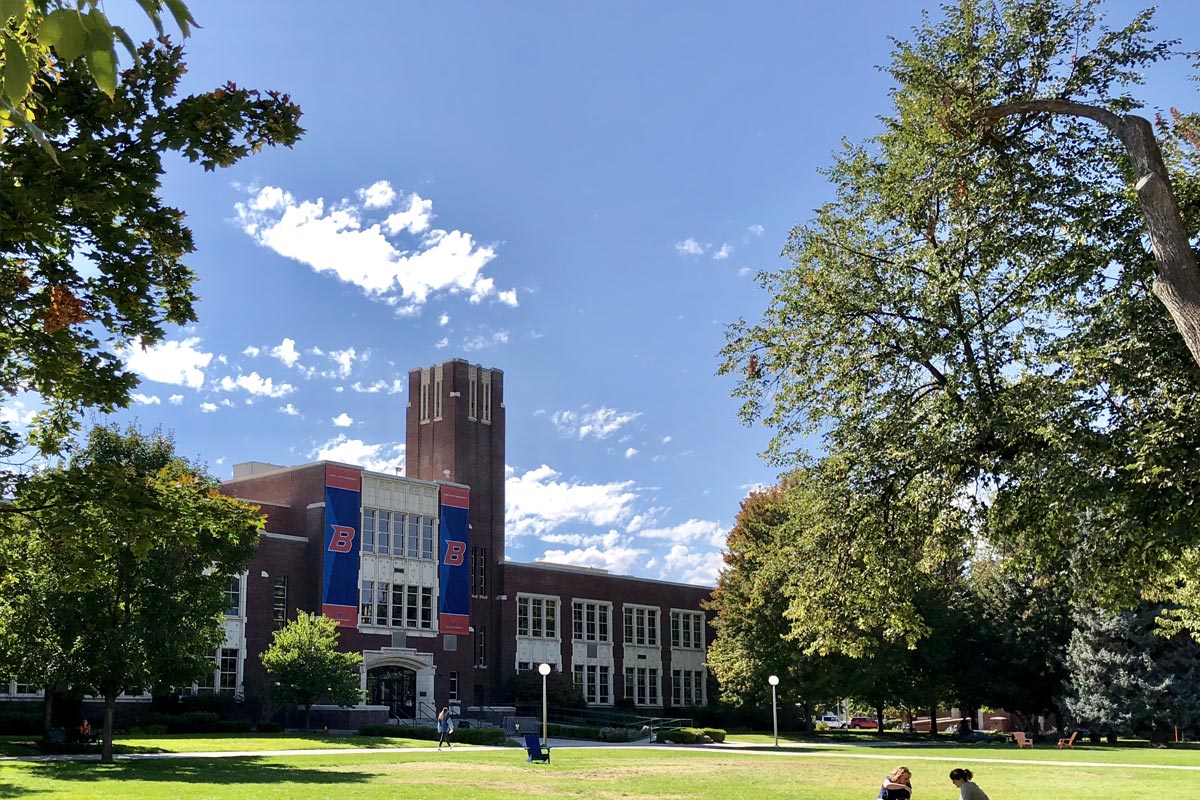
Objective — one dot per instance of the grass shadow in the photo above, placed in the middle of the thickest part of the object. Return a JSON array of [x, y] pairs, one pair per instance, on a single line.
[[8, 790], [224, 771]]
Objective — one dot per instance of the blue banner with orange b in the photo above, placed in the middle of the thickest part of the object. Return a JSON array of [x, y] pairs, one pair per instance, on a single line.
[[454, 571], [339, 568]]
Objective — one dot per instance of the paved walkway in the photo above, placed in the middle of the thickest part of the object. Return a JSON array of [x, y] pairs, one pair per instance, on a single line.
[[788, 750]]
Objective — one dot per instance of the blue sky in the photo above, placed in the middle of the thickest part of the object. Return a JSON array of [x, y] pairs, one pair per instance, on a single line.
[[577, 194]]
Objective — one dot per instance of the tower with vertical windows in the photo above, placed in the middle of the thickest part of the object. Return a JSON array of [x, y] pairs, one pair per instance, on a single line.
[[454, 433]]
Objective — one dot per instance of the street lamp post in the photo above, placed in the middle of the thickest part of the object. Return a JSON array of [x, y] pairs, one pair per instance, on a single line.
[[774, 681], [545, 670]]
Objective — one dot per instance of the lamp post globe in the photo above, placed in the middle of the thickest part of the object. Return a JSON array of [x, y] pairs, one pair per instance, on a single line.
[[774, 681], [544, 669]]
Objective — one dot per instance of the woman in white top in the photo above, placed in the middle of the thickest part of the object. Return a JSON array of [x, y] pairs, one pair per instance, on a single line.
[[967, 790]]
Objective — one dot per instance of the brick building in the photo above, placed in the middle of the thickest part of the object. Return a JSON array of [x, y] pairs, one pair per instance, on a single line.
[[414, 570]]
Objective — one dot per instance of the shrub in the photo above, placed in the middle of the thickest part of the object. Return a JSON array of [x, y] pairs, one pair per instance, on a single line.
[[715, 734], [681, 736], [148, 730], [232, 726], [189, 722], [20, 722], [269, 727]]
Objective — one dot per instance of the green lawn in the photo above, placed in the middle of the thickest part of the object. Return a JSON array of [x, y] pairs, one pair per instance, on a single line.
[[215, 743], [845, 773]]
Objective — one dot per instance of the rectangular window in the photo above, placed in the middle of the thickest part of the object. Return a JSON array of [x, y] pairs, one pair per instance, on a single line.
[[481, 566], [279, 602], [427, 608], [233, 597], [537, 617], [486, 417], [641, 625], [687, 630], [412, 615], [426, 538], [481, 646], [384, 533], [397, 606], [652, 686], [381, 603], [604, 691], [590, 620], [437, 394], [366, 615], [227, 670], [414, 535], [208, 681], [453, 685], [687, 687], [367, 545], [641, 685], [424, 395], [472, 393]]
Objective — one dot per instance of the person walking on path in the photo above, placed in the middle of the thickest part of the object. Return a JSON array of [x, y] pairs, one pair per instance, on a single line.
[[967, 790], [445, 728], [897, 785]]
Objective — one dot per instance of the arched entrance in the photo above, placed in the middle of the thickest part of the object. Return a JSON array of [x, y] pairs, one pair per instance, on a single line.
[[394, 687]]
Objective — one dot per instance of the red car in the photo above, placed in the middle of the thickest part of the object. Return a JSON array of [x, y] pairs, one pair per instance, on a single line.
[[864, 723]]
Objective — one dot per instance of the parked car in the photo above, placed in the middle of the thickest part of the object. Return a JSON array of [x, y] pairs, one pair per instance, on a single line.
[[863, 723], [830, 721]]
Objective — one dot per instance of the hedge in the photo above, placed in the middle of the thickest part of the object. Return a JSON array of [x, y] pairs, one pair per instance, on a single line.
[[20, 722], [692, 735]]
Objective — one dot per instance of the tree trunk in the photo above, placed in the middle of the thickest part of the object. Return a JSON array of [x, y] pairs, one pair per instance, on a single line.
[[307, 712], [106, 751], [1177, 280], [808, 720], [47, 709], [879, 717], [933, 730]]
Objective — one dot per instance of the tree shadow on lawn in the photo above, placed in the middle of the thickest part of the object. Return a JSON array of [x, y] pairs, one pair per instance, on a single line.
[[225, 771], [8, 790]]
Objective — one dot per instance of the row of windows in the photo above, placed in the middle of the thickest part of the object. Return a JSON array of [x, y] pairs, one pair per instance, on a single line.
[[479, 565], [641, 685], [479, 395], [397, 534], [687, 687], [594, 682], [537, 617], [398, 605]]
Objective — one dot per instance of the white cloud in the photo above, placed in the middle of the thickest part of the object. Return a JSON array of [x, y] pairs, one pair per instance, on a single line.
[[694, 530], [340, 239], [744, 271], [17, 414], [378, 195], [631, 452], [756, 229], [724, 253], [537, 502], [286, 352], [509, 298], [343, 420], [146, 400], [256, 385], [601, 423], [699, 567], [414, 219], [290, 410], [444, 320], [178, 363], [666, 440], [442, 342], [480, 342], [251, 351], [345, 360], [387, 457], [690, 247], [175, 399], [208, 408], [381, 385], [620, 559]]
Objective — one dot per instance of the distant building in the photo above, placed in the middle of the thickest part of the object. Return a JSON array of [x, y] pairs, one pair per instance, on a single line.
[[413, 568]]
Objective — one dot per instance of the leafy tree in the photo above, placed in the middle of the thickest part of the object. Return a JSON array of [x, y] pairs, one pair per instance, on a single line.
[[971, 325], [119, 580], [39, 36], [306, 665], [561, 691], [1126, 678], [91, 259]]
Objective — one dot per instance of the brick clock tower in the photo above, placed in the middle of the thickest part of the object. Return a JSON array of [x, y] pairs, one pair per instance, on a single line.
[[454, 431]]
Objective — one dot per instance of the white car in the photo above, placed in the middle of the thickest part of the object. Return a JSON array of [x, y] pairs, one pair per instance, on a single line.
[[830, 721]]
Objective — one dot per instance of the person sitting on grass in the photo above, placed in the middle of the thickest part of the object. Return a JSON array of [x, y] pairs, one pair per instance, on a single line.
[[897, 785], [966, 789]]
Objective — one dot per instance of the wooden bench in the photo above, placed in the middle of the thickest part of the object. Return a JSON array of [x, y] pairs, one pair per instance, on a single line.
[[1068, 742], [1022, 740]]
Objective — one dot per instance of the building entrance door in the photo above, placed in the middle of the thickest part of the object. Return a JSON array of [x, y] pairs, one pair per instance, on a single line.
[[394, 687]]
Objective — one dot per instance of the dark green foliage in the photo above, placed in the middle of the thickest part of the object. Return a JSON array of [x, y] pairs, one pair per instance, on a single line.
[[23, 722], [90, 257], [306, 665], [561, 692], [268, 727], [1126, 678], [187, 722]]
